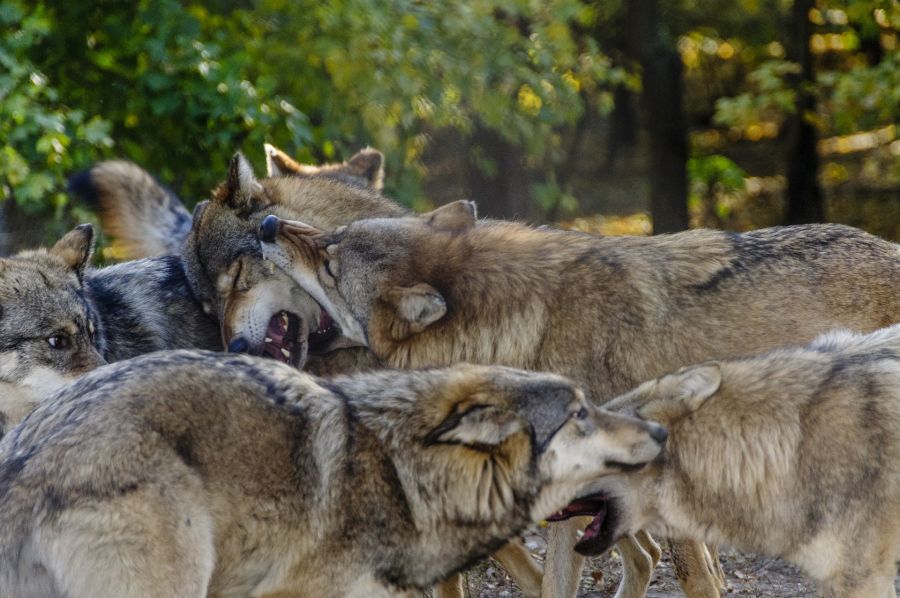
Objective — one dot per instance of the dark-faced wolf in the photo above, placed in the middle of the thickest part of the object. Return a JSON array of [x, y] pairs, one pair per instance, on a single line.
[[192, 474], [793, 453], [608, 312]]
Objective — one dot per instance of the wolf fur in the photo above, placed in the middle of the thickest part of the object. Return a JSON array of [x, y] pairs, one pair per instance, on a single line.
[[199, 474], [608, 312], [147, 219], [95, 315], [793, 453]]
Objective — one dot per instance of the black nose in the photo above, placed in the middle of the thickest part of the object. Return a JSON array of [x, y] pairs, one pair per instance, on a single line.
[[268, 229], [238, 345], [659, 434]]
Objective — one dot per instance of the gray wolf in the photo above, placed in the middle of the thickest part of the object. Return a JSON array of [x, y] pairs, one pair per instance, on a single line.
[[48, 325], [62, 318], [146, 219], [793, 453], [607, 312], [200, 474]]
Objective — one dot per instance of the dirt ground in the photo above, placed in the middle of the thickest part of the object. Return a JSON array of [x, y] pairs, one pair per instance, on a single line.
[[755, 576]]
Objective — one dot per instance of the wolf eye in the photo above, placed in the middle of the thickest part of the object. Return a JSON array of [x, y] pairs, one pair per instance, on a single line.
[[59, 342], [582, 413]]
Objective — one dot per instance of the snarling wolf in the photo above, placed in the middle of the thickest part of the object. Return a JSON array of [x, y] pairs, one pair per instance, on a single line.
[[147, 219], [187, 474], [62, 318], [793, 453], [608, 312]]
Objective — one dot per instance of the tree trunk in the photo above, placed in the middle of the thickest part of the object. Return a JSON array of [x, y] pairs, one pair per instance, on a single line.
[[664, 119], [804, 196], [501, 191]]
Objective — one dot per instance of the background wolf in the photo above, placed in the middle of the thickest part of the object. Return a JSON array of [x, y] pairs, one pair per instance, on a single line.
[[609, 312], [794, 453], [62, 318], [197, 474], [147, 219]]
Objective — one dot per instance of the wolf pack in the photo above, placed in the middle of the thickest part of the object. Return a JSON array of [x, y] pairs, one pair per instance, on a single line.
[[304, 389]]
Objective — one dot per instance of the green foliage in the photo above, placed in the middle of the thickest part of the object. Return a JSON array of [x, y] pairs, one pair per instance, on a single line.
[[41, 138]]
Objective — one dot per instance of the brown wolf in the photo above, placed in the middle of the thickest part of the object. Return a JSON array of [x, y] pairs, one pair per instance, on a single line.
[[793, 453], [192, 474], [608, 312]]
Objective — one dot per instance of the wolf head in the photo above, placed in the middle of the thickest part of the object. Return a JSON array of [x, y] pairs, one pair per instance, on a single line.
[[624, 504], [366, 267], [471, 415], [364, 169], [261, 310], [49, 332]]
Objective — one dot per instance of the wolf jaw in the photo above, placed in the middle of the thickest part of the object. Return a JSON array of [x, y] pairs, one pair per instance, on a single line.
[[599, 535], [289, 338]]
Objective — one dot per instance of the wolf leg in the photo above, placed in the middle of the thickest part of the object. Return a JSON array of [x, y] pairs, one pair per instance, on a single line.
[[452, 587], [650, 546], [690, 563], [521, 566], [562, 568], [715, 567], [637, 567]]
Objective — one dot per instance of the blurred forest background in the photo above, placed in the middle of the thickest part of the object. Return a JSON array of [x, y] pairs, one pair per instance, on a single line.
[[618, 116]]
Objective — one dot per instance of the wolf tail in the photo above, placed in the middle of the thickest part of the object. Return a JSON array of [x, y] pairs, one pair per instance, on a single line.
[[143, 217]]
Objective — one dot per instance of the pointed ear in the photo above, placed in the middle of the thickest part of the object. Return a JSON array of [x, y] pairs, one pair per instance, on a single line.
[[478, 427], [76, 248], [456, 216], [241, 185], [415, 308], [368, 164], [698, 384], [279, 163]]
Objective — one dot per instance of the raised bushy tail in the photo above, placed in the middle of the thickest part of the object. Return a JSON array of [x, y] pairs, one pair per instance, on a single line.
[[143, 217]]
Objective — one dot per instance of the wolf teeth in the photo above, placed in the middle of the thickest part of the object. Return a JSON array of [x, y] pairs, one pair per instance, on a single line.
[[268, 340], [284, 318], [285, 352]]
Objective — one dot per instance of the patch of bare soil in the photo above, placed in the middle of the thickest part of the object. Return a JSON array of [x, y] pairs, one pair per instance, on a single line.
[[748, 575]]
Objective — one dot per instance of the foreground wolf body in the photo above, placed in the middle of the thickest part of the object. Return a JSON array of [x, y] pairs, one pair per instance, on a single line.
[[200, 474], [62, 318], [608, 312], [793, 453]]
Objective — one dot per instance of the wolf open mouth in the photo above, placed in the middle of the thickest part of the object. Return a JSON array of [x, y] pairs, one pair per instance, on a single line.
[[325, 332], [288, 340], [598, 535]]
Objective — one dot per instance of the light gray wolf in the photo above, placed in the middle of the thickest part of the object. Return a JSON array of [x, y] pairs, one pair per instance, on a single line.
[[793, 453], [62, 318], [188, 474], [146, 219], [608, 312]]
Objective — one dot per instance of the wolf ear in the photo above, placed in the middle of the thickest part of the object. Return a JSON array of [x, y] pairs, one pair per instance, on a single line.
[[455, 216], [415, 308], [698, 384], [241, 185], [368, 164], [480, 426], [279, 163], [76, 248]]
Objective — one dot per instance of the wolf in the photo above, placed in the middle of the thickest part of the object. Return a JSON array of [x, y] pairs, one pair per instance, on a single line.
[[607, 312], [198, 474], [793, 453], [62, 318], [147, 219], [48, 325]]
